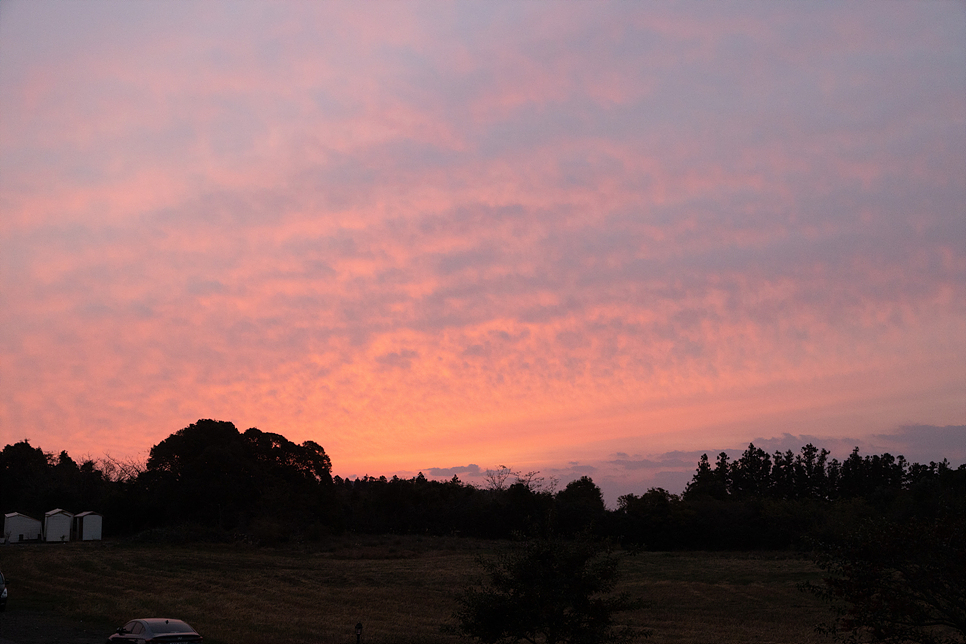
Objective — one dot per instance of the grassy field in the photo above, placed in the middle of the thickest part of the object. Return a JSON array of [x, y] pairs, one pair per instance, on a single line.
[[401, 589]]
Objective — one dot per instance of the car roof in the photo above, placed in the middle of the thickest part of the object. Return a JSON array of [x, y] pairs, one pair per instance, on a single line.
[[161, 621]]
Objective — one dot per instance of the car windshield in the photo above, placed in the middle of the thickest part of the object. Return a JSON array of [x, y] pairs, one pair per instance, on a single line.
[[170, 626]]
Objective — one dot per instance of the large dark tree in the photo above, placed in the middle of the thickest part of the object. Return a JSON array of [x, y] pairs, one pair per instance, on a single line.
[[201, 474], [211, 474]]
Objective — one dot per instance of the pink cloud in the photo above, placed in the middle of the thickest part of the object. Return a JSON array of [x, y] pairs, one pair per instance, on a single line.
[[442, 236]]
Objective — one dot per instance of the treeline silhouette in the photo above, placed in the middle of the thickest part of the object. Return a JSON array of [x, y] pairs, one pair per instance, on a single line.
[[773, 501], [209, 481]]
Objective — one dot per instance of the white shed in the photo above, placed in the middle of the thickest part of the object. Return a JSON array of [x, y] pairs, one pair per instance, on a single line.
[[20, 527], [87, 526], [57, 524]]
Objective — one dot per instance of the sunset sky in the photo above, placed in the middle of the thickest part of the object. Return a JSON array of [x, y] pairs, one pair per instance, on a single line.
[[580, 237]]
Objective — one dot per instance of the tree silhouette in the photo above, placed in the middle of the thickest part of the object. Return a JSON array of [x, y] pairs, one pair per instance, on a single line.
[[751, 474], [580, 506], [210, 474], [651, 520]]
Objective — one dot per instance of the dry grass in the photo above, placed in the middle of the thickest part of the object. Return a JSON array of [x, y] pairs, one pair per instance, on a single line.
[[401, 589], [725, 597]]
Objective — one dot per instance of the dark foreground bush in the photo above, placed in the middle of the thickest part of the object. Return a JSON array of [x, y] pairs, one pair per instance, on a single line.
[[897, 582], [547, 590]]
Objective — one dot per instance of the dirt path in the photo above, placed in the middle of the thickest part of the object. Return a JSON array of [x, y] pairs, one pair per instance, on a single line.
[[19, 625]]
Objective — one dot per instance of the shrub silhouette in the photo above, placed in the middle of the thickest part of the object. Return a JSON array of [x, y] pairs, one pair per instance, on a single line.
[[547, 590], [897, 582]]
